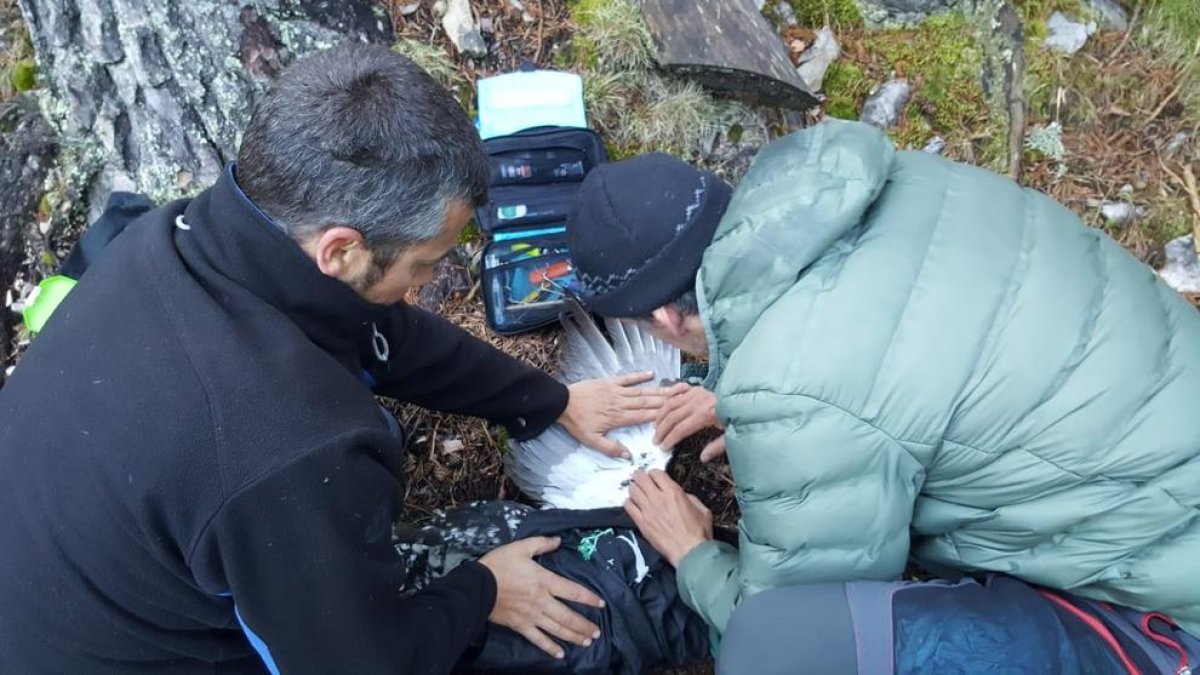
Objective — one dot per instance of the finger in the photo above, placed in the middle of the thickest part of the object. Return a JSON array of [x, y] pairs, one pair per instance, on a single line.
[[713, 450], [643, 482], [643, 401], [535, 546], [668, 417], [631, 379], [565, 589], [678, 388], [574, 622], [539, 640], [697, 503], [634, 512], [607, 446], [624, 418], [669, 407], [684, 429], [662, 480], [639, 496], [555, 629]]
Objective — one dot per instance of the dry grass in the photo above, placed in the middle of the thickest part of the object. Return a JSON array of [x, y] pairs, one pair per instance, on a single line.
[[1122, 102], [18, 71]]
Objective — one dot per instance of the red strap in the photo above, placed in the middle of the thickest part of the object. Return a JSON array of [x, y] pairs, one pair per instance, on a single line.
[[1164, 640], [1096, 625]]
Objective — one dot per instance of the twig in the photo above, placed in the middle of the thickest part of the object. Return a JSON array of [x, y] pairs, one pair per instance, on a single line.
[[1128, 35], [1190, 178], [1166, 101], [537, 56]]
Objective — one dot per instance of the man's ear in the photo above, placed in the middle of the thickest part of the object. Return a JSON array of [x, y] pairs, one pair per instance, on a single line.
[[339, 252], [670, 321]]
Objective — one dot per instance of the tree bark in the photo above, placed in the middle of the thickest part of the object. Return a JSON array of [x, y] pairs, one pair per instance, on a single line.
[[152, 95], [27, 148]]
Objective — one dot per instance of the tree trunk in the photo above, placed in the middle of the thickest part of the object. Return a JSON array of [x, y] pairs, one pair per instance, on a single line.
[[152, 95]]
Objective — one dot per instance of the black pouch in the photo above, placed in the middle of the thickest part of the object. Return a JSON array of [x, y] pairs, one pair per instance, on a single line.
[[526, 270]]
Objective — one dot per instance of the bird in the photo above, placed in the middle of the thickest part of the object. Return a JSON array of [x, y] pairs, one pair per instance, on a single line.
[[560, 472]]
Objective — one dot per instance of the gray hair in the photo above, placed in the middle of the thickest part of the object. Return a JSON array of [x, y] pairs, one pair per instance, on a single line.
[[687, 304], [360, 136]]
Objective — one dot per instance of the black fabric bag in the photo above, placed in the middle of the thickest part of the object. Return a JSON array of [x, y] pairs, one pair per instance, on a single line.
[[644, 623], [526, 271]]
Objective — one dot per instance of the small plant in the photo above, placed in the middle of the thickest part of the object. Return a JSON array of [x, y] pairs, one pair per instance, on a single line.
[[24, 75], [613, 36], [432, 59], [1046, 141]]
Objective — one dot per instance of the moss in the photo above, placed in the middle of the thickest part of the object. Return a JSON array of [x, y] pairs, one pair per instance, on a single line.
[[846, 85], [838, 14], [469, 234], [1035, 13], [942, 60], [24, 75]]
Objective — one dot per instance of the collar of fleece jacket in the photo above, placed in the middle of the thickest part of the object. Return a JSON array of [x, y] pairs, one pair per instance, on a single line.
[[229, 240]]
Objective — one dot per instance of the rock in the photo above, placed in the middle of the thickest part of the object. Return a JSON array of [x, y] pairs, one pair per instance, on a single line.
[[815, 60], [786, 12], [27, 151], [1121, 213], [885, 105], [1112, 16], [1067, 36], [902, 11], [759, 4], [935, 146], [1176, 143], [148, 90], [1182, 271], [460, 27]]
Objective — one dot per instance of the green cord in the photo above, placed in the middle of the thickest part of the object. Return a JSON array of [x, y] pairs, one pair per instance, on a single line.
[[587, 545]]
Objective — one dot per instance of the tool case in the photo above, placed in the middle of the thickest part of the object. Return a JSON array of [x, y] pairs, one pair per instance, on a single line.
[[526, 271]]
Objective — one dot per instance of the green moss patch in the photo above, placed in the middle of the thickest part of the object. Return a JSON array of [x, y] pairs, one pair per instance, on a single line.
[[942, 61]]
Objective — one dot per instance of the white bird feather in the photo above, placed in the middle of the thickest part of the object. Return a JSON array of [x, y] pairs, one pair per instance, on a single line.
[[560, 471]]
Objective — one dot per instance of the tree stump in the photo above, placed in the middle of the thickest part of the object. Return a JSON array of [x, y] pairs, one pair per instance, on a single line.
[[152, 95], [727, 46]]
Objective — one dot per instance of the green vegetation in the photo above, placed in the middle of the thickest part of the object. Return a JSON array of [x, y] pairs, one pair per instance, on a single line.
[[837, 14], [636, 107], [24, 75], [942, 61]]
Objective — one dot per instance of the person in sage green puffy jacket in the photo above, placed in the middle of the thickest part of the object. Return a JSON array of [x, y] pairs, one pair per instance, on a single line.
[[910, 357]]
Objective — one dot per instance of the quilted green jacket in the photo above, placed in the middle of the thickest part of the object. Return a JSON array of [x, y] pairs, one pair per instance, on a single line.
[[914, 356]]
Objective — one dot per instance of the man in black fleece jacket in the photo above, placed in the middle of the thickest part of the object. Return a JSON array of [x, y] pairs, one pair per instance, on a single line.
[[194, 474]]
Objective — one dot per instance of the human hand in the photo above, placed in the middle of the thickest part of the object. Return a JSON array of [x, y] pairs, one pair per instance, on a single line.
[[673, 521], [596, 407], [687, 410], [528, 597]]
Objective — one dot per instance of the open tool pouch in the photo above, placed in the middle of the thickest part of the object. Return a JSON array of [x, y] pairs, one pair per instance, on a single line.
[[526, 270]]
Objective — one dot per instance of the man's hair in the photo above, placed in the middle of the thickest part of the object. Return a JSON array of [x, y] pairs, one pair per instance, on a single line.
[[686, 304], [362, 137]]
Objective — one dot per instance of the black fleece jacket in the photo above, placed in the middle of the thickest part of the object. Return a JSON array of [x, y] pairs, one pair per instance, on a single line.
[[192, 468]]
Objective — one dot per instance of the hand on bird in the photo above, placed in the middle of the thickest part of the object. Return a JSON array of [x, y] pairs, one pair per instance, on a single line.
[[529, 598], [689, 409], [673, 521], [595, 407]]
